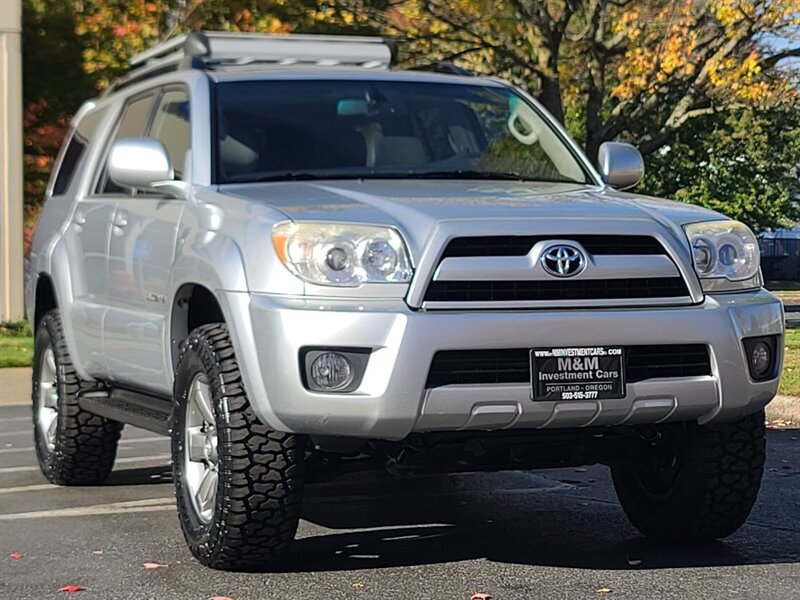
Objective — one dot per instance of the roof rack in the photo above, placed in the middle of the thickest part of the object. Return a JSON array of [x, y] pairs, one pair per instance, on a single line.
[[220, 47], [210, 49]]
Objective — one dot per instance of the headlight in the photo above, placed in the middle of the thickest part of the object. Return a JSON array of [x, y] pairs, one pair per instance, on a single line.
[[725, 254], [342, 255]]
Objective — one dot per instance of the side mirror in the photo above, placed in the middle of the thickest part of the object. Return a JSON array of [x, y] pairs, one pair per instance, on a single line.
[[143, 163], [620, 164]]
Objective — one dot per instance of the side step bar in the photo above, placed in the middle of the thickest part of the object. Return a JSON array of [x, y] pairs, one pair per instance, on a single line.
[[133, 407]]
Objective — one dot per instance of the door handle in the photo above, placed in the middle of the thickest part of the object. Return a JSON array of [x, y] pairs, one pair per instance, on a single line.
[[80, 218], [120, 219]]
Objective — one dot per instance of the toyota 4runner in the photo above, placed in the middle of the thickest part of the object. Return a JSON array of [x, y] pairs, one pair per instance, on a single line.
[[297, 261]]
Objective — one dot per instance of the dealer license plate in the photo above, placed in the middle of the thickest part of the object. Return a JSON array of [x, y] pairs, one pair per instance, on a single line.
[[578, 373]]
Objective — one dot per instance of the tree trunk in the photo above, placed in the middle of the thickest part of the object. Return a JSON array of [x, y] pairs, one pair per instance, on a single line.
[[550, 97]]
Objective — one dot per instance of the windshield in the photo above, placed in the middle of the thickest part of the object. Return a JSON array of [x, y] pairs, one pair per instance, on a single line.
[[332, 129]]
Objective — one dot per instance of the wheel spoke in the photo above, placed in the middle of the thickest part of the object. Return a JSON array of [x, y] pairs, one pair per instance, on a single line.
[[207, 491], [195, 440], [47, 394], [51, 428], [51, 362], [202, 399]]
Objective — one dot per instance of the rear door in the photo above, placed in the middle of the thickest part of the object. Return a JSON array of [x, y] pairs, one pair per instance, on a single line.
[[141, 254], [86, 239]]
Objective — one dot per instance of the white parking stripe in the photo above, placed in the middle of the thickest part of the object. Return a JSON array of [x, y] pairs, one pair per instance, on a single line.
[[133, 459], [9, 419], [134, 506], [29, 488], [122, 444], [4, 434]]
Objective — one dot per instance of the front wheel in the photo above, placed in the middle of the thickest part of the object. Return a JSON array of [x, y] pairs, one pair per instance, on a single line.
[[705, 484], [238, 483]]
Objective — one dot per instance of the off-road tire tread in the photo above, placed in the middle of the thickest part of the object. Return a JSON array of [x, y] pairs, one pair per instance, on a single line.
[[262, 471], [724, 470], [86, 444]]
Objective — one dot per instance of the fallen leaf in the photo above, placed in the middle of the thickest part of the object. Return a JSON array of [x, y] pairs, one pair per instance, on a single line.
[[358, 585], [153, 566], [602, 591], [15, 555], [97, 552], [71, 589], [481, 596]]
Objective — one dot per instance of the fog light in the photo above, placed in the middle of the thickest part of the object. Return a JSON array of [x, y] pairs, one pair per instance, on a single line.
[[331, 371], [760, 359]]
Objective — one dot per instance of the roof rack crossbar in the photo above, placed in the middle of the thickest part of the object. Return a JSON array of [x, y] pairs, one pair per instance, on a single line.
[[218, 47]]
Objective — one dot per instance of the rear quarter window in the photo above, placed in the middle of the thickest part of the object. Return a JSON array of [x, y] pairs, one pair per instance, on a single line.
[[77, 143]]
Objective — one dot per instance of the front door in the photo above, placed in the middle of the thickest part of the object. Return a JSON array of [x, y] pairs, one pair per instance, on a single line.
[[142, 250]]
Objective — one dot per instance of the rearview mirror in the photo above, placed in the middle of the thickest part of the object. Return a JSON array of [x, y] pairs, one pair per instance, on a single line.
[[143, 163], [620, 164]]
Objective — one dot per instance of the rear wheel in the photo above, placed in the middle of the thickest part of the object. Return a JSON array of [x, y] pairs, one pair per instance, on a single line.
[[705, 485], [238, 483], [73, 446]]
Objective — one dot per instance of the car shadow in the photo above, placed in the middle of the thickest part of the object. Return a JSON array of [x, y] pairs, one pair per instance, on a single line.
[[560, 518], [140, 476]]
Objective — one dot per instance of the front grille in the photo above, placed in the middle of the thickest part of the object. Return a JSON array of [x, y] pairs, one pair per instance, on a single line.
[[636, 287], [477, 367], [557, 289], [520, 245]]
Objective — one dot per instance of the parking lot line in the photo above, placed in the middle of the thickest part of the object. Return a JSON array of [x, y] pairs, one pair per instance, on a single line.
[[9, 419], [133, 506], [122, 443], [29, 488], [132, 459]]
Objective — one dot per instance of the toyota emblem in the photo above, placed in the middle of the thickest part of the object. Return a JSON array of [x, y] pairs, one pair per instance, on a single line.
[[563, 260]]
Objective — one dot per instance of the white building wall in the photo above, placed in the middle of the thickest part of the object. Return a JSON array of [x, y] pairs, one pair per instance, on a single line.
[[11, 274]]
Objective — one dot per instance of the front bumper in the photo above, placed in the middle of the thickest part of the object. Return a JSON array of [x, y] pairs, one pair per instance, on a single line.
[[392, 400]]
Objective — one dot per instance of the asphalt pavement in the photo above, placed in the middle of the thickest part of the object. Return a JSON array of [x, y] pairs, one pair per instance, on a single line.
[[550, 534]]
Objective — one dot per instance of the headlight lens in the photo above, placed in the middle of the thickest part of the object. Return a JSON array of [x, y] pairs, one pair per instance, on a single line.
[[342, 255], [725, 251]]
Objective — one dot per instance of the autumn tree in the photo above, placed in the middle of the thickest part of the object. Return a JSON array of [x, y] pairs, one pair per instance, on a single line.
[[742, 162]]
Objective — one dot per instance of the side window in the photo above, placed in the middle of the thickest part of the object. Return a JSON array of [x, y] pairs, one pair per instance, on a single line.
[[133, 123], [171, 127], [81, 137]]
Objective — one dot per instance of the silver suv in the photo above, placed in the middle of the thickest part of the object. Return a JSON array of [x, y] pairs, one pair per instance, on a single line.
[[299, 262]]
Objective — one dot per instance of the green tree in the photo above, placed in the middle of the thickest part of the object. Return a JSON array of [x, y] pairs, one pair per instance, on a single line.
[[745, 164]]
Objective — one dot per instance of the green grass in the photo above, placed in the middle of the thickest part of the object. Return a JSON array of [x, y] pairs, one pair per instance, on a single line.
[[16, 344], [790, 384], [16, 351]]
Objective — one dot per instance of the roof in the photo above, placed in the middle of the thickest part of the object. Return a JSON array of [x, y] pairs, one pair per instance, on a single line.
[[260, 72]]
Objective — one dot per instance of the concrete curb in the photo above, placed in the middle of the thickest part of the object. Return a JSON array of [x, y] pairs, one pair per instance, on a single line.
[[15, 390], [15, 386]]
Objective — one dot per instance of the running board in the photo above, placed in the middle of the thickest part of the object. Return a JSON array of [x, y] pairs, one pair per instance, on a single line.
[[132, 407]]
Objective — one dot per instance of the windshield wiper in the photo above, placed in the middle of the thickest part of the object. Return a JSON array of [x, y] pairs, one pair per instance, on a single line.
[[291, 176], [470, 174], [464, 174]]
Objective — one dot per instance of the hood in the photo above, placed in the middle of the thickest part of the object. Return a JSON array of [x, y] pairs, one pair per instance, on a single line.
[[416, 206]]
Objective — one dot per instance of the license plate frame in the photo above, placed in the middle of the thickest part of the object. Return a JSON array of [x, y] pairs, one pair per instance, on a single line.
[[577, 373]]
